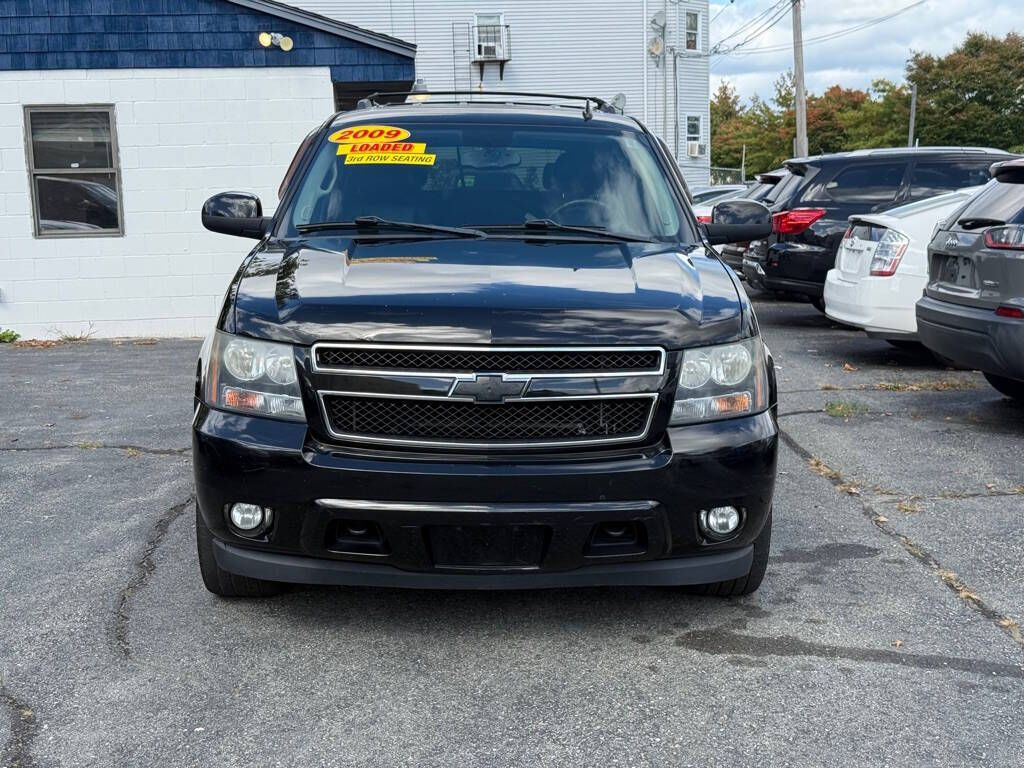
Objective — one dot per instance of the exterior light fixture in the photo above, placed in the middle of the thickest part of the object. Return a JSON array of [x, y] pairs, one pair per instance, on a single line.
[[283, 42], [419, 91]]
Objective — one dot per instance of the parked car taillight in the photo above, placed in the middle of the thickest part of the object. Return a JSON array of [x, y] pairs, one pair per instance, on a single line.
[[795, 221], [704, 219], [1009, 237], [888, 252], [1015, 312]]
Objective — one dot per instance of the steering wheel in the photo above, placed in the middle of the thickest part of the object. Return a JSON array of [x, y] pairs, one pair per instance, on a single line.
[[582, 201]]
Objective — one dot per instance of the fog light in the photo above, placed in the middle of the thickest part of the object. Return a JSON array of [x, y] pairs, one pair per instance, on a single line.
[[248, 517], [720, 521]]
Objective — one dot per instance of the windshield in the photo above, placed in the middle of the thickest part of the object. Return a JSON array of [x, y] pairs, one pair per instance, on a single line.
[[489, 175]]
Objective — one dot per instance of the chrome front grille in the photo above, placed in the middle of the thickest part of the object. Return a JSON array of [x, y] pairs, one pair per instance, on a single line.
[[487, 396]]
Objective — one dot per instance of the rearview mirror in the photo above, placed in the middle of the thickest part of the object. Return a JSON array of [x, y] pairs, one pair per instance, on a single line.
[[738, 221], [235, 213]]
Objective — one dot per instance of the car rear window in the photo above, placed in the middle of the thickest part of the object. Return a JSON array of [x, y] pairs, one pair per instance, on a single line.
[[781, 190], [860, 183], [480, 174], [998, 200], [934, 178]]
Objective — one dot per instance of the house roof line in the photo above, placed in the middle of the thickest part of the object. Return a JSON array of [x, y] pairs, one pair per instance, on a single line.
[[332, 26]]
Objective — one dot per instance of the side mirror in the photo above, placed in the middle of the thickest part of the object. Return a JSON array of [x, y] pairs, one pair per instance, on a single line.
[[235, 213], [738, 221]]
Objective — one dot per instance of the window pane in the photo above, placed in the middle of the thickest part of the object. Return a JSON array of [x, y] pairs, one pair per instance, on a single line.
[[875, 183], [80, 202], [931, 179], [71, 140], [691, 41], [691, 22], [693, 129]]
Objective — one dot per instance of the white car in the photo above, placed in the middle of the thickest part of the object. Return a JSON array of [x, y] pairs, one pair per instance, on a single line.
[[882, 266]]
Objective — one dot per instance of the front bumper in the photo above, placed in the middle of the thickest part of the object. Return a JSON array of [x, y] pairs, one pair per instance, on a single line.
[[880, 305], [972, 337], [313, 488]]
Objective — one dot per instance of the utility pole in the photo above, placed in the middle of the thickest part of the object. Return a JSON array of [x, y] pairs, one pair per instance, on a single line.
[[913, 113], [798, 81]]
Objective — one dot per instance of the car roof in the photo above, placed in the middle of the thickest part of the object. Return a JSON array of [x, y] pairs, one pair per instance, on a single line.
[[487, 112], [896, 152]]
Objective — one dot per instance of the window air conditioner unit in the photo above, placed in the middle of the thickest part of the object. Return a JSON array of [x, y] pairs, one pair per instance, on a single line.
[[490, 52], [693, 149]]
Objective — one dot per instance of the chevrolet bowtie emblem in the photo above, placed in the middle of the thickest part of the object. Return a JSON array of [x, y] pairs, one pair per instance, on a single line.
[[489, 388]]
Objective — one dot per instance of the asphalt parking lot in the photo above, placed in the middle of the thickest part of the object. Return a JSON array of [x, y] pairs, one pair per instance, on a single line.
[[886, 632]]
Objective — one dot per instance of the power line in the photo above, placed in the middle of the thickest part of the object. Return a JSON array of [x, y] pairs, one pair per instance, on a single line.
[[748, 24], [828, 36], [780, 10]]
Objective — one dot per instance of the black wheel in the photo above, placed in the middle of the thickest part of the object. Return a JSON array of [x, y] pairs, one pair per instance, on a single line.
[[819, 304], [1010, 387], [221, 582], [744, 585]]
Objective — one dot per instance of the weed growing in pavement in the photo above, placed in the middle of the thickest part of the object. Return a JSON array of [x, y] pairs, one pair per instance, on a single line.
[[844, 409], [934, 385], [8, 336]]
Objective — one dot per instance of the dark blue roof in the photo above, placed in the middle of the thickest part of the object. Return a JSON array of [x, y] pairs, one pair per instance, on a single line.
[[121, 34]]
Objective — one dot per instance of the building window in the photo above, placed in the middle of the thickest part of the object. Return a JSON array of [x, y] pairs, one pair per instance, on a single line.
[[73, 173], [491, 38], [692, 31], [693, 128]]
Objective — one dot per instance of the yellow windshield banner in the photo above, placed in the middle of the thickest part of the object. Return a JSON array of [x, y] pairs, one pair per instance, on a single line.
[[360, 133], [389, 158], [382, 146]]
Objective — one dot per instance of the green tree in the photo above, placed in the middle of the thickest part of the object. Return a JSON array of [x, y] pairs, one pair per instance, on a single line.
[[971, 96]]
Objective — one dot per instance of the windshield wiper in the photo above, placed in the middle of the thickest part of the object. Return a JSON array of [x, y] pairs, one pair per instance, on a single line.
[[973, 222], [550, 225], [368, 223]]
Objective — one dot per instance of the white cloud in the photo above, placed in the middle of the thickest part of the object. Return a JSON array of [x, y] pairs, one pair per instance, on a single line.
[[855, 60]]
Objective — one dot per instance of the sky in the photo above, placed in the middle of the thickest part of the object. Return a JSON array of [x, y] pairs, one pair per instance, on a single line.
[[854, 60]]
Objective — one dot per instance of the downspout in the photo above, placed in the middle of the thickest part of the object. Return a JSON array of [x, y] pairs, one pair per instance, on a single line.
[[643, 33], [664, 72], [675, 83]]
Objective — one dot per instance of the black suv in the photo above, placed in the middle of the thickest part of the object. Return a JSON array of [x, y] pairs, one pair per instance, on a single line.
[[767, 183], [483, 345], [811, 208], [972, 311]]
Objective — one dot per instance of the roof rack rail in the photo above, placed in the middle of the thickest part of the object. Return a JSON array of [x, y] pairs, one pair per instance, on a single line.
[[601, 104]]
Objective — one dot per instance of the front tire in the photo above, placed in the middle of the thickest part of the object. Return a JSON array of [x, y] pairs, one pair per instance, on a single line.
[[224, 583], [1009, 387], [744, 585]]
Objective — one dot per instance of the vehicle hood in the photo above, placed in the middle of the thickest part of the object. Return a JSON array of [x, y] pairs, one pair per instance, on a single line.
[[506, 291]]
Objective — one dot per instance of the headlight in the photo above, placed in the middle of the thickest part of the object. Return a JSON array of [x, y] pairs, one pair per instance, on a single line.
[[721, 382], [252, 376]]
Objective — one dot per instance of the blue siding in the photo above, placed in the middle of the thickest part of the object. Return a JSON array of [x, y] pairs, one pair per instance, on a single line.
[[108, 34]]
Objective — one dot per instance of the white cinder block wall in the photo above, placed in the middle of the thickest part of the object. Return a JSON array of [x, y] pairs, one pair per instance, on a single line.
[[183, 134]]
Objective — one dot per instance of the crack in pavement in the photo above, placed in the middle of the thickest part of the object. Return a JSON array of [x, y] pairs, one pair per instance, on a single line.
[[98, 446], [144, 567], [725, 642], [1005, 623], [17, 752]]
